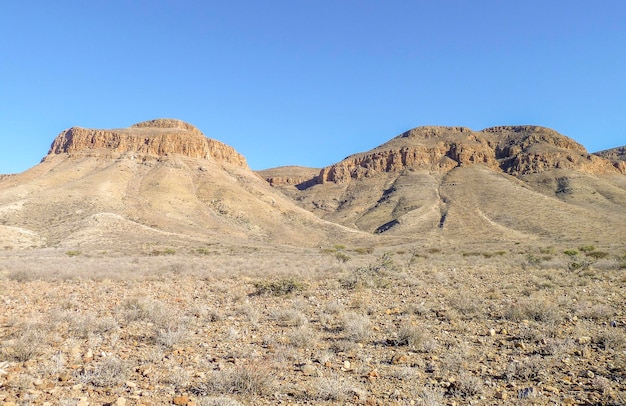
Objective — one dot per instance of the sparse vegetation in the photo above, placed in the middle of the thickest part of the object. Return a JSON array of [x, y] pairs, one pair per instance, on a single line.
[[279, 287], [427, 332]]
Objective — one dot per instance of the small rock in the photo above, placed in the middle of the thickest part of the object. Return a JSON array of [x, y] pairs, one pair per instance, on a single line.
[[551, 389], [64, 377], [492, 332], [309, 370], [520, 345], [181, 400], [399, 359], [502, 395], [527, 393], [120, 401], [503, 331], [584, 340], [130, 384], [589, 374], [346, 365]]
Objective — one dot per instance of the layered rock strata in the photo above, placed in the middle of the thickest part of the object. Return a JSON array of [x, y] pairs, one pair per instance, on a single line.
[[159, 137], [516, 150]]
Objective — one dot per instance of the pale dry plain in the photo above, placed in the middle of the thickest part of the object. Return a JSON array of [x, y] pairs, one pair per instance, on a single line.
[[151, 266], [340, 325]]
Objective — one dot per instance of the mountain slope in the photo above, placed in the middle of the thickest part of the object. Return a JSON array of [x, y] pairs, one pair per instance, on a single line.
[[510, 183], [153, 184]]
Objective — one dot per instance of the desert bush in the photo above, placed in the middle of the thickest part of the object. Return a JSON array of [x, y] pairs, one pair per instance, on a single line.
[[570, 253], [587, 248], [218, 401], [534, 309], [374, 275], [342, 256], [410, 335], [72, 253], [278, 287], [597, 254], [165, 251], [524, 370], [301, 337], [171, 335], [611, 339], [335, 388], [357, 327], [107, 373], [146, 309], [289, 317], [467, 385], [27, 345], [244, 380]]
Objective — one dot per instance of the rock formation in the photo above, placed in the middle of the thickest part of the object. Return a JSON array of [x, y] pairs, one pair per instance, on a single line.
[[516, 150], [615, 155], [146, 139]]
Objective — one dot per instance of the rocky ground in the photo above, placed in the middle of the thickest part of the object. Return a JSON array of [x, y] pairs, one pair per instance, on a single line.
[[339, 325]]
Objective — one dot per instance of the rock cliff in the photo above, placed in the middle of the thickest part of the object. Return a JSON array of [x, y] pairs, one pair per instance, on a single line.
[[615, 155], [156, 138], [516, 150]]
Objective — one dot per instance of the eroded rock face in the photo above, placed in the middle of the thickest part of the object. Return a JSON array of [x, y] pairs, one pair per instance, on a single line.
[[615, 155], [158, 137], [516, 150]]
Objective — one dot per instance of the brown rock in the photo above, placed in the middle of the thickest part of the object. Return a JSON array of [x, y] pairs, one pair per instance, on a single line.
[[399, 359], [181, 401], [501, 395], [150, 138]]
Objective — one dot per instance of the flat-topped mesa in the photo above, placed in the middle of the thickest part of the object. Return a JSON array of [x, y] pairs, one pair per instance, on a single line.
[[158, 137], [516, 150]]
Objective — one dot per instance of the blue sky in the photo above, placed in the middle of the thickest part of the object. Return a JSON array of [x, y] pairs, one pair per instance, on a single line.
[[309, 82]]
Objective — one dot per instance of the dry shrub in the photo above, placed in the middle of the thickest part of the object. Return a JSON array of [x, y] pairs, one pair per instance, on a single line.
[[108, 373], [466, 386], [289, 317], [301, 337], [410, 335], [535, 309], [242, 380], [218, 401], [611, 339], [278, 287], [335, 388], [357, 327], [28, 344]]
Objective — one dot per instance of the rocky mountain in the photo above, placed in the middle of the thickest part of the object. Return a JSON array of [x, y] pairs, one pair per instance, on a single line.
[[615, 155], [155, 184], [509, 183], [162, 182]]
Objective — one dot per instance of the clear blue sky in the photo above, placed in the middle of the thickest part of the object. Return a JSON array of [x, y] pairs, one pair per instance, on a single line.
[[309, 82]]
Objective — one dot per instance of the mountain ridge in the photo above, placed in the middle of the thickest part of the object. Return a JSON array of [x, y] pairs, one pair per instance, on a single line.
[[162, 180]]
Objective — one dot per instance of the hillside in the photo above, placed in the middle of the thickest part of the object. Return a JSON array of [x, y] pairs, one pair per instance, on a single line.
[[155, 184], [451, 184]]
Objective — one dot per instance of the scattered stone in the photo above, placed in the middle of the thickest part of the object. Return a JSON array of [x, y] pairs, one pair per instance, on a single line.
[[589, 374], [309, 370], [182, 400], [346, 365], [584, 340], [520, 345], [64, 377], [527, 393], [399, 359], [120, 401], [551, 389], [492, 332], [502, 395]]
